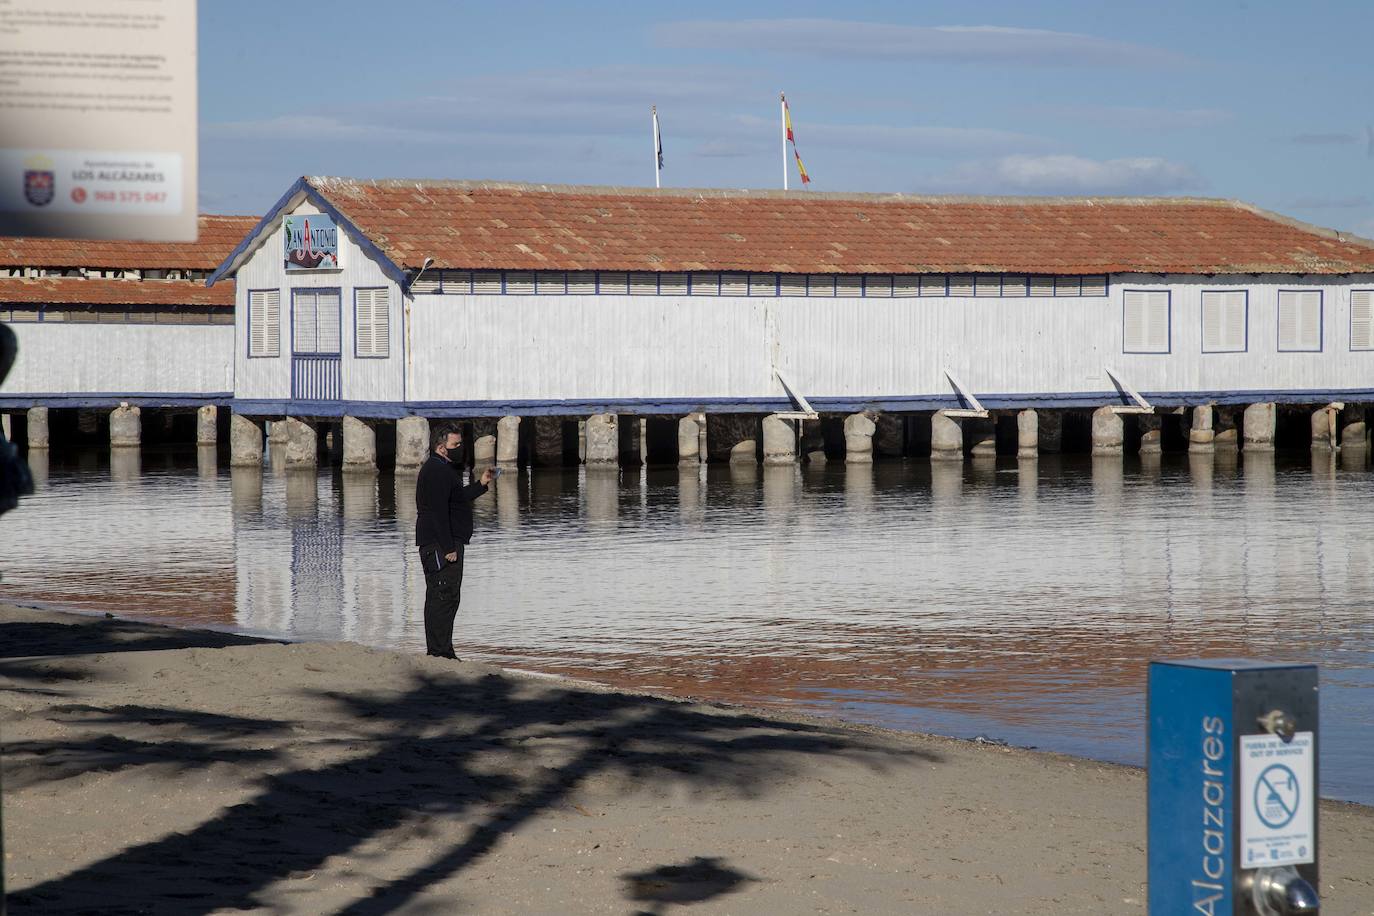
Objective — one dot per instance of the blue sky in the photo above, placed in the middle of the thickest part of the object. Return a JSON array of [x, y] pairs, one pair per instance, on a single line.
[[1262, 101]]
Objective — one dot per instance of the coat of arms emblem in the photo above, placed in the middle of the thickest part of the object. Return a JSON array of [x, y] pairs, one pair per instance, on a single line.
[[39, 181]]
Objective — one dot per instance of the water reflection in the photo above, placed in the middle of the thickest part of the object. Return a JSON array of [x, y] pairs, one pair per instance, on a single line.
[[1021, 599]]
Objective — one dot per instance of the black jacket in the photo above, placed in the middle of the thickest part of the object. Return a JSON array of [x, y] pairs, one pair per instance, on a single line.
[[443, 506]]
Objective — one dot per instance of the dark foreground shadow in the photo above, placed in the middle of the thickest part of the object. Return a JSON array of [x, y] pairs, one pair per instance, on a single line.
[[23, 638], [488, 753], [696, 881]]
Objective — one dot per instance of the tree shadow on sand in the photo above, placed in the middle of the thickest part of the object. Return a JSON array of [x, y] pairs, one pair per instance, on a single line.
[[488, 752]]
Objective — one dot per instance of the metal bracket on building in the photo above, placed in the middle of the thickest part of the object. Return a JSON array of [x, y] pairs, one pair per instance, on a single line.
[[974, 410], [1140, 406], [806, 412]]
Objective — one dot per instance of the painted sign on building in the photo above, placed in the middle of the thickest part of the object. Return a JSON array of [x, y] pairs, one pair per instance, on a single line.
[[312, 242]]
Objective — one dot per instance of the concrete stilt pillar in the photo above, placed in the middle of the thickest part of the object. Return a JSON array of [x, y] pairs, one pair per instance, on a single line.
[[1258, 425], [946, 438], [779, 440], [1027, 434], [889, 440], [207, 425], [981, 435], [1225, 436], [858, 438], [1108, 432], [732, 437], [5, 428], [603, 440], [508, 441], [1200, 435], [483, 443], [245, 442], [37, 424], [126, 427], [1354, 430], [276, 434], [302, 443], [359, 445], [1151, 433], [1324, 430], [688, 441], [412, 442]]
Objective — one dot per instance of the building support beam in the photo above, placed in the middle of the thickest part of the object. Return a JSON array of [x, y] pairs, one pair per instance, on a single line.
[[508, 441], [603, 440], [946, 437], [858, 438], [245, 442], [1354, 429], [779, 440], [1027, 434], [302, 443], [1200, 434], [126, 427], [688, 441], [37, 427], [1324, 423], [1108, 432], [1257, 427], [359, 445], [207, 425], [412, 442]]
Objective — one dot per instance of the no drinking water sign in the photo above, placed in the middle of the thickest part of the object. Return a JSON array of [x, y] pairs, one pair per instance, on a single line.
[[1278, 810]]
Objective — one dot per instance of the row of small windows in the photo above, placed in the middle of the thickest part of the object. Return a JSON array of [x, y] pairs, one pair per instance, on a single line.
[[104, 314], [316, 322], [103, 273], [1147, 318], [883, 286]]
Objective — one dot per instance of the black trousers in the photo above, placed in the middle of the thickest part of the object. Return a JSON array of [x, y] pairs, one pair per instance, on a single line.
[[443, 591]]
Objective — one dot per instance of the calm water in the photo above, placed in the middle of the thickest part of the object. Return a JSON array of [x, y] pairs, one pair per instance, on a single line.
[[1015, 602]]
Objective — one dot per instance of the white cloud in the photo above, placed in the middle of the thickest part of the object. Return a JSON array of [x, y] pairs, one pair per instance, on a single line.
[[879, 40], [1064, 174]]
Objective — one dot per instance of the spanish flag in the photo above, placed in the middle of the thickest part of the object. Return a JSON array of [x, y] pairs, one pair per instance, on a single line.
[[787, 123]]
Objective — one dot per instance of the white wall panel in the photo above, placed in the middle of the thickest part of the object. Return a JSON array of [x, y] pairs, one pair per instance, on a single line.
[[74, 359]]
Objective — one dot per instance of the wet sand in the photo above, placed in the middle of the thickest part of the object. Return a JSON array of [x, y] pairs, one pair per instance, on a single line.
[[151, 770]]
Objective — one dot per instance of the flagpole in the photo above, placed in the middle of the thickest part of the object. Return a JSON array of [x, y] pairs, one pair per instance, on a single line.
[[658, 172], [782, 98]]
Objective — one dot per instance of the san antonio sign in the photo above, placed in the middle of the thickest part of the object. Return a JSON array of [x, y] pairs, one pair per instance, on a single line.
[[312, 243]]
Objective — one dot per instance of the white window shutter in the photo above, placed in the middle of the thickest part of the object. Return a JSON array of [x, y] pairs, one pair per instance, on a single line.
[[878, 286], [986, 285], [934, 285], [327, 312], [793, 285], [849, 286], [1145, 321], [582, 283], [1213, 308], [820, 285], [905, 285], [304, 329], [362, 322], [1300, 318], [1362, 319], [705, 284], [672, 284], [1234, 331], [372, 331], [1041, 286], [264, 322], [961, 285]]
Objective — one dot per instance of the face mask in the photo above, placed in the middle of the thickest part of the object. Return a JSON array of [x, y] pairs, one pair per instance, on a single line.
[[454, 455]]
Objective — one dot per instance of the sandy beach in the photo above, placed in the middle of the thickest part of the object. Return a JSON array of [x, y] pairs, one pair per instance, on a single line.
[[158, 770]]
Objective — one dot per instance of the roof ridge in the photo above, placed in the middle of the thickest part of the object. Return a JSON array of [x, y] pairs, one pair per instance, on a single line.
[[327, 183]]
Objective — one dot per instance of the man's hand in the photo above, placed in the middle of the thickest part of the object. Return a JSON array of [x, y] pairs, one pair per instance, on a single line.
[[488, 476], [451, 557]]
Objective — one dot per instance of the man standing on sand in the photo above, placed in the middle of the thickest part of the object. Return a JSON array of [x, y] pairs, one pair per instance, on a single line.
[[443, 527]]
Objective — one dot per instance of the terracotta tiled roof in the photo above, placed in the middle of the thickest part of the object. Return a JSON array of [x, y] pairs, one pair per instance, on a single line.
[[545, 227], [65, 290], [218, 236]]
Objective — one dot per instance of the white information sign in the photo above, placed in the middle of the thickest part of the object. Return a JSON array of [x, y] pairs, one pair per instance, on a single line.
[[1277, 801], [98, 119]]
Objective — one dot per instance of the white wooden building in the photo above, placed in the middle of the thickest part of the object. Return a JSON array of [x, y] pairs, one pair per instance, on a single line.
[[104, 322], [447, 298]]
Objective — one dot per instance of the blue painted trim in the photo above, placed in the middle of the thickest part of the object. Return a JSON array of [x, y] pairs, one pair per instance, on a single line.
[[671, 406], [1169, 294], [248, 337], [356, 354], [302, 186], [1321, 319], [104, 399], [1202, 320]]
